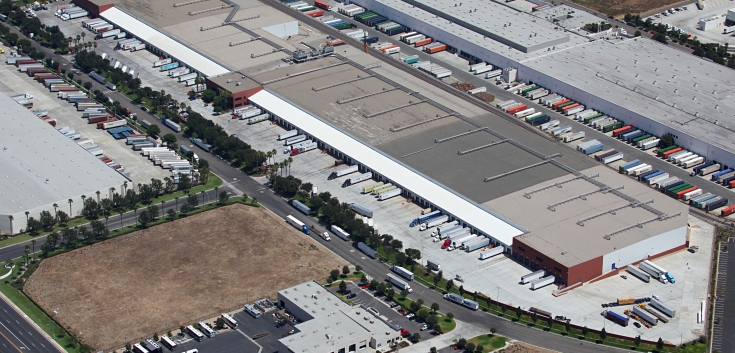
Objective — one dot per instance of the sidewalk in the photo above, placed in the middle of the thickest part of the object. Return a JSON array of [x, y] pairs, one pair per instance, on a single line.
[[463, 330]]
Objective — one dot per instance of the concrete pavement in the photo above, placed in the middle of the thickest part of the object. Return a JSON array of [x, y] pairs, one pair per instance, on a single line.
[[277, 205], [463, 330]]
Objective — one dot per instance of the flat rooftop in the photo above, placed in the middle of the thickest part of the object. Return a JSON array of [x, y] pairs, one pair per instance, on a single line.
[[163, 13], [538, 38], [567, 16], [334, 321], [415, 146], [686, 93], [557, 234], [40, 166], [495, 21]]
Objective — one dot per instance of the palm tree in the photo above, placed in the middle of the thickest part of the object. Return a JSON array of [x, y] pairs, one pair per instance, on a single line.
[[11, 223], [216, 192], [27, 213], [122, 210], [70, 40], [94, 44], [203, 194], [177, 203], [70, 202], [83, 35], [162, 202], [227, 95], [34, 245], [269, 154], [125, 186], [98, 195], [112, 191], [56, 213], [290, 161]]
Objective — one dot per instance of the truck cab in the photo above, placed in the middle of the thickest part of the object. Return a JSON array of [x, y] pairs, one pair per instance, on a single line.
[[670, 277], [325, 236], [446, 244]]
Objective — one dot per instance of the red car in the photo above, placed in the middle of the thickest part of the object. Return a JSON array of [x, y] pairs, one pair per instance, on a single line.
[[446, 244], [405, 332]]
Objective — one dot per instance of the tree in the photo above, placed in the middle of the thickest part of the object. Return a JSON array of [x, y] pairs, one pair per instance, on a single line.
[[550, 322], [603, 334], [519, 312], [171, 214], [469, 347], [88, 85], [373, 283], [334, 274], [363, 279], [169, 139], [450, 284], [390, 292], [154, 130], [192, 201], [568, 327], [434, 307], [432, 320], [127, 345], [660, 344], [637, 340], [404, 294], [660, 37], [219, 323], [479, 348], [423, 313], [585, 331], [637, 34], [223, 197], [461, 343], [666, 141], [144, 217], [47, 220], [461, 289], [493, 330], [534, 317], [450, 316], [345, 270], [415, 337], [185, 208], [358, 268], [342, 286], [414, 306], [432, 350]]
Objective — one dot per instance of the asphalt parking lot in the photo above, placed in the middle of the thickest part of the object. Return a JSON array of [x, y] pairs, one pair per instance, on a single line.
[[382, 305], [240, 339]]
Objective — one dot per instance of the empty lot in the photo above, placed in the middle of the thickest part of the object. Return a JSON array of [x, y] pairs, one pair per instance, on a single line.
[[156, 279]]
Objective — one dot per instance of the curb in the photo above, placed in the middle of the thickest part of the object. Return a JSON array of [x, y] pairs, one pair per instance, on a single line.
[[38, 328]]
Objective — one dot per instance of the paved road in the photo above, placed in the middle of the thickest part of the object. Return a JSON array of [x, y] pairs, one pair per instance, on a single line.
[[240, 183], [724, 326], [19, 335]]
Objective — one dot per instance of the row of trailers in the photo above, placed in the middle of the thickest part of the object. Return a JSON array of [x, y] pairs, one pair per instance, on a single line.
[[70, 12], [175, 70], [197, 332], [682, 190]]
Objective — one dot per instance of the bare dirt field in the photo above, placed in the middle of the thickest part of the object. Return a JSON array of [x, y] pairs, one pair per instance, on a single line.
[[618, 8], [153, 280]]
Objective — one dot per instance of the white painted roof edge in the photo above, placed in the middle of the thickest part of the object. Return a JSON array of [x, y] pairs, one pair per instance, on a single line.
[[163, 41], [449, 201]]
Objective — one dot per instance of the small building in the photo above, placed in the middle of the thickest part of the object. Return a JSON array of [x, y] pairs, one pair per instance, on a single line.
[[327, 324], [240, 87], [730, 18], [710, 23]]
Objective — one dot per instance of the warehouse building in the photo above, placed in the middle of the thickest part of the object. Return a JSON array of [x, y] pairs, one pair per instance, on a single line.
[[41, 167], [328, 325], [639, 81], [710, 23], [644, 222], [241, 87]]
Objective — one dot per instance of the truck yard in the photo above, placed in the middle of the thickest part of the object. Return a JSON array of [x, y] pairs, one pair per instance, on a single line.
[[141, 171], [471, 152], [182, 286], [498, 275]]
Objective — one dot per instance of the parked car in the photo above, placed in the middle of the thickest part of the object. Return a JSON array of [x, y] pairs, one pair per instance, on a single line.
[[424, 327], [636, 324], [351, 295]]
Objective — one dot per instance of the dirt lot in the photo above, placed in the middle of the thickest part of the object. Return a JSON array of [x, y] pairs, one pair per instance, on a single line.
[[153, 280], [619, 8]]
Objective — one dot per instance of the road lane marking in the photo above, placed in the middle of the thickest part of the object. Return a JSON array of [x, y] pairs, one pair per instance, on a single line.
[[16, 337], [6, 338]]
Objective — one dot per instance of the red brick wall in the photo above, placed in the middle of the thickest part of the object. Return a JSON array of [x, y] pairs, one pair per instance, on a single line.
[[533, 256], [240, 98], [586, 270], [93, 9]]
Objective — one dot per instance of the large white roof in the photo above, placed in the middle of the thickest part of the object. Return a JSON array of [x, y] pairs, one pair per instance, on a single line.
[[163, 42], [466, 210], [39, 166]]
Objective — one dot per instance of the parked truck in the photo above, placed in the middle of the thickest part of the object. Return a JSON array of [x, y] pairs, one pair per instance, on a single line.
[[360, 178], [342, 172], [477, 244], [398, 282], [654, 271], [488, 253], [366, 249], [433, 222], [617, 318], [301, 207], [298, 224], [425, 217], [532, 276], [402, 272], [361, 210], [340, 232]]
